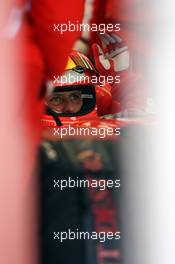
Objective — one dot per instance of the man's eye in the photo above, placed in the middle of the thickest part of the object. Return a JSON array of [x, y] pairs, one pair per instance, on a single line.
[[56, 100], [75, 97]]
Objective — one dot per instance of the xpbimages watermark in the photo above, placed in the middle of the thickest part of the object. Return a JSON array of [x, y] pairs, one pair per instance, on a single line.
[[101, 184], [101, 132], [94, 79], [81, 27], [80, 235]]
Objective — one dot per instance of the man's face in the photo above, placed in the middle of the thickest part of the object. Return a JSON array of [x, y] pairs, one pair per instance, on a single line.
[[66, 102]]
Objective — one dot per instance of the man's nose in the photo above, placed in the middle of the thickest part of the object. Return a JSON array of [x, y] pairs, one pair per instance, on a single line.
[[68, 108]]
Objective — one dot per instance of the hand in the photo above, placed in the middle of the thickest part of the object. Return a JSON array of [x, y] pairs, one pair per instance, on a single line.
[[113, 56]]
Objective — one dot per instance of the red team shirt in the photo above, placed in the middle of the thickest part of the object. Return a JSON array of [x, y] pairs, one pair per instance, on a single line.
[[46, 51]]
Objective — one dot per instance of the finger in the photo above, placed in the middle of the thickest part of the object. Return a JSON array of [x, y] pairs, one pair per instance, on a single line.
[[100, 57], [105, 42], [117, 51], [117, 38], [97, 51], [109, 38], [110, 44]]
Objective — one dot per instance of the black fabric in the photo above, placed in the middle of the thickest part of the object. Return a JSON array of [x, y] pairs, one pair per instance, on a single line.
[[72, 207], [61, 210]]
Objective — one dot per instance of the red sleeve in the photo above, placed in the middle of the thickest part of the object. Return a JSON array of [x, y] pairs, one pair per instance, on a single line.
[[94, 13], [54, 46]]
